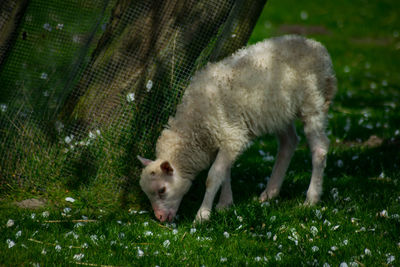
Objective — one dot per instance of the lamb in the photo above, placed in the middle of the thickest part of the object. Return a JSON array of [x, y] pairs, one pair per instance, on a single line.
[[258, 90]]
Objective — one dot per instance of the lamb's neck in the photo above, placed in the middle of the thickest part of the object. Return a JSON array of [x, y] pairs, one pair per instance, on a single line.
[[183, 153]]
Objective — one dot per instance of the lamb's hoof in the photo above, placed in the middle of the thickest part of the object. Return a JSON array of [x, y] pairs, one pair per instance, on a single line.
[[203, 215], [223, 206], [311, 201], [263, 197], [312, 198], [268, 195]]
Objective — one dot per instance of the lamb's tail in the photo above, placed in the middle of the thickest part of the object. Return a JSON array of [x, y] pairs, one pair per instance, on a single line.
[[330, 91]]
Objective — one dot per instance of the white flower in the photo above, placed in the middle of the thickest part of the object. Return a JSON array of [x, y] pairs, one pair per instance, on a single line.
[[78, 224], [390, 258], [10, 243], [92, 135], [327, 222], [268, 158], [57, 248], [140, 253], [18, 234], [258, 258], [304, 15], [269, 235], [79, 257], [130, 97], [149, 85], [315, 249], [166, 243], [94, 238], [345, 242], [3, 107], [334, 248], [47, 27], [226, 234], [339, 163], [314, 230], [335, 227], [326, 265], [193, 230], [318, 214], [265, 204], [10, 223], [67, 210], [60, 26], [353, 264], [85, 245], [175, 231], [148, 233], [335, 193], [45, 214], [384, 214], [278, 256], [223, 259], [275, 237], [296, 242], [362, 229], [143, 212], [44, 252], [343, 264], [68, 139], [70, 199], [33, 216], [43, 76], [272, 219]]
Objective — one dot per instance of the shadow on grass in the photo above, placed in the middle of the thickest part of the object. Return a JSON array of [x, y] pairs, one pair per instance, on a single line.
[[367, 175]]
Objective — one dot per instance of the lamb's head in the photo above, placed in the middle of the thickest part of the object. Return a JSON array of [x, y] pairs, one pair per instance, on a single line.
[[163, 186]]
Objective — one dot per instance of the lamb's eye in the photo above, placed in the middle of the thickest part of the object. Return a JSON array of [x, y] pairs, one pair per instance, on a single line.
[[161, 190]]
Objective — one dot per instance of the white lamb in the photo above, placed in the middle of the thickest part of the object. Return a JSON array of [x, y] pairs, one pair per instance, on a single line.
[[260, 89]]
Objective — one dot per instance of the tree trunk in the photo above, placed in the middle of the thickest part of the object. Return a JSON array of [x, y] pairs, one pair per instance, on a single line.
[[11, 12], [146, 56]]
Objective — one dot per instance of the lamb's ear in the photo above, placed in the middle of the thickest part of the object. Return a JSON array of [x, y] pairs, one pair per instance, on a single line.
[[166, 168], [144, 161]]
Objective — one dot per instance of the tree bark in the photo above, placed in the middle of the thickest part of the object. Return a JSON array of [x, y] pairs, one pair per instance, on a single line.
[[159, 43], [11, 12]]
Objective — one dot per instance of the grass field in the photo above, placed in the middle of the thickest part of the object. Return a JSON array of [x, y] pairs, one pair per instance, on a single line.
[[357, 222]]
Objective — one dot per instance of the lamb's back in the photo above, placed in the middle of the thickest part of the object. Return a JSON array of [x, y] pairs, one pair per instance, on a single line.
[[258, 89]]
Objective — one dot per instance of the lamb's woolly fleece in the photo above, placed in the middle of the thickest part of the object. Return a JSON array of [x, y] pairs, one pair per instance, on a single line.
[[259, 89]]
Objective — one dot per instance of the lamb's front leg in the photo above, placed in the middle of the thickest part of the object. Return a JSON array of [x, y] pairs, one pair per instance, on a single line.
[[219, 172]]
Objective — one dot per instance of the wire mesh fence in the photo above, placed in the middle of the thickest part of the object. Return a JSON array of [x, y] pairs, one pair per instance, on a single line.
[[85, 86]]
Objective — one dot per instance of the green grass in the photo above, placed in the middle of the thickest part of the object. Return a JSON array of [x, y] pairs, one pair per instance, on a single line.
[[361, 180]]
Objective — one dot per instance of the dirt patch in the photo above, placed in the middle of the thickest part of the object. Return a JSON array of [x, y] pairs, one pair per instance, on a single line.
[[303, 29], [31, 203], [373, 141], [372, 41]]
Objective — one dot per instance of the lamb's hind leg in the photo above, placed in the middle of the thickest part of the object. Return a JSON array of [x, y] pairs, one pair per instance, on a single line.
[[225, 198], [314, 130], [288, 141]]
